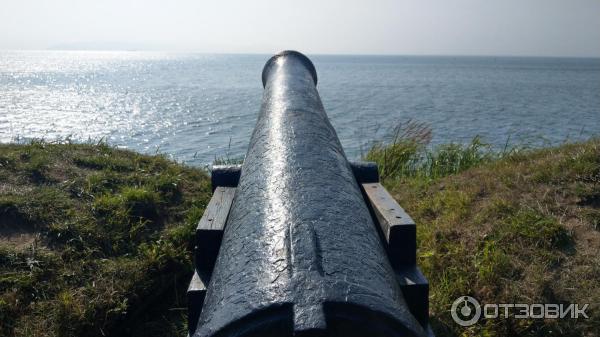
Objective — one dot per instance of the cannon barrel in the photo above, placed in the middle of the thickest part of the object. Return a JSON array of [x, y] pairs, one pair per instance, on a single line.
[[300, 252]]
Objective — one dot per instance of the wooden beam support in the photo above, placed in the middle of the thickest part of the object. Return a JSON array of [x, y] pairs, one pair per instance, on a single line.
[[397, 228], [229, 175], [195, 296], [415, 289], [225, 175], [209, 232]]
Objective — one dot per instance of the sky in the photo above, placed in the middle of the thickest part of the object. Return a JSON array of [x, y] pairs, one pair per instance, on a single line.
[[418, 27]]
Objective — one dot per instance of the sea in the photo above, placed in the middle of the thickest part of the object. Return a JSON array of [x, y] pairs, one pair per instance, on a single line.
[[196, 108]]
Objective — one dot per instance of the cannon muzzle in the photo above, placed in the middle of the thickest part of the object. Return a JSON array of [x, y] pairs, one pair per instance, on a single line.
[[302, 252]]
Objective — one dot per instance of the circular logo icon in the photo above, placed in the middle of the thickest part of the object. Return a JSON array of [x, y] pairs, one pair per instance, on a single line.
[[466, 311]]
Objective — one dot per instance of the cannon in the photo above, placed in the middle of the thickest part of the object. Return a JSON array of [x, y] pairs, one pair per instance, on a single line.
[[298, 241]]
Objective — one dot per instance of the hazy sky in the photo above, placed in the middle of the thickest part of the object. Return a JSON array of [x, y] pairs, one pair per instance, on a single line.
[[449, 27]]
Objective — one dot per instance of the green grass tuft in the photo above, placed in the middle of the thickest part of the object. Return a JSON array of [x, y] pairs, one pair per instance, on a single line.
[[410, 158]]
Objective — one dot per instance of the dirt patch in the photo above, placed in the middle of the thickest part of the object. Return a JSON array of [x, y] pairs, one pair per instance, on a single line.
[[18, 241]]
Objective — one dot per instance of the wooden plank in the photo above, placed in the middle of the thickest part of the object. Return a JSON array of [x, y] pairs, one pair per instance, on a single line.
[[209, 232], [195, 296], [365, 171], [229, 175], [415, 289], [397, 227], [225, 175]]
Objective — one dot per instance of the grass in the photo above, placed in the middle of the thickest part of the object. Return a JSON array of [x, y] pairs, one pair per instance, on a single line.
[[95, 241], [228, 159], [503, 227], [407, 154]]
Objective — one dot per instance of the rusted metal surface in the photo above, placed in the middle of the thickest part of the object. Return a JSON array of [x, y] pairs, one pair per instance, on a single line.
[[300, 255]]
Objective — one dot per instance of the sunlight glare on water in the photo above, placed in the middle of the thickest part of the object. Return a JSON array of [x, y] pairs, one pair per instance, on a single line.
[[195, 107]]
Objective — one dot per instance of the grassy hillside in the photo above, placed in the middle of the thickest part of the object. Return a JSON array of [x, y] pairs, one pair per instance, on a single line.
[[95, 241], [511, 227]]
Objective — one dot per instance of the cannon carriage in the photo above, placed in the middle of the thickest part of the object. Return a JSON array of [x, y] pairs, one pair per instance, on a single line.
[[298, 241]]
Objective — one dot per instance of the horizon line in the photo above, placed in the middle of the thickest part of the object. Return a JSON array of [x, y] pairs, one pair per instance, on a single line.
[[313, 54]]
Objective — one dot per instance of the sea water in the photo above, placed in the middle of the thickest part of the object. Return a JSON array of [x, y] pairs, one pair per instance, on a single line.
[[198, 107]]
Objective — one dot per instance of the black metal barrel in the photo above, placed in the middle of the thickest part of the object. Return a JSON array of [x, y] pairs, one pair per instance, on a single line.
[[300, 254]]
